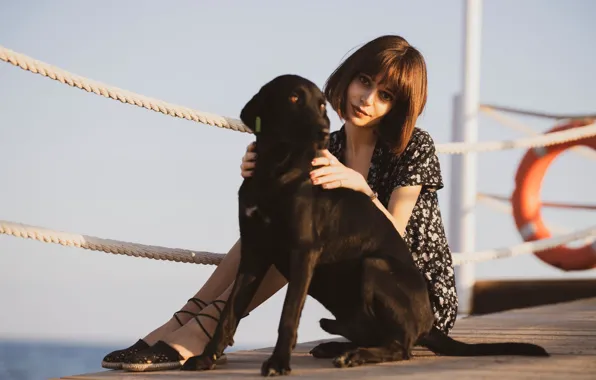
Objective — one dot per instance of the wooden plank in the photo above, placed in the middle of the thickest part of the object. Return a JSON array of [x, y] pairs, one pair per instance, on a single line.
[[566, 330]]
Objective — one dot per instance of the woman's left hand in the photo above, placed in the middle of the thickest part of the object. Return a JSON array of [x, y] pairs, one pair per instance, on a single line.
[[334, 174]]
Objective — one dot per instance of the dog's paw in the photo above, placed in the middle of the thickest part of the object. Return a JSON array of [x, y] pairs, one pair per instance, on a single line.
[[322, 353], [276, 366], [329, 350], [199, 363], [348, 359]]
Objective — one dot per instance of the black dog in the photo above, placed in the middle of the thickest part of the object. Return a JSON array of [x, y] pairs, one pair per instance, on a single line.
[[334, 245]]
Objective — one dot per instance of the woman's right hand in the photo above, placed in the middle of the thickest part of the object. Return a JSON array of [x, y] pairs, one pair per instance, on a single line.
[[248, 161]]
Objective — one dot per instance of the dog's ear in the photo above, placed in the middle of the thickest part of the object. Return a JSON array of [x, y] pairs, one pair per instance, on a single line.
[[253, 110]]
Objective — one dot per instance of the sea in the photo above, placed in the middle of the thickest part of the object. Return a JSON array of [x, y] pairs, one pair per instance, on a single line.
[[31, 360]]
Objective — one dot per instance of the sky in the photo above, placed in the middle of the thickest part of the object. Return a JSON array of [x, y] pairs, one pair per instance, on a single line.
[[77, 162]]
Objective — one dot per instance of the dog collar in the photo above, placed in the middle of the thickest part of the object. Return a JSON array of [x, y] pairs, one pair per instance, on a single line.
[[258, 125]]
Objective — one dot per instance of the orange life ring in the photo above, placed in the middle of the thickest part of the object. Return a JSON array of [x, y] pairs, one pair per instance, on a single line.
[[526, 203]]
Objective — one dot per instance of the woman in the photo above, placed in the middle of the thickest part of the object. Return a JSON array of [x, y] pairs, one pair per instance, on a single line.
[[379, 92]]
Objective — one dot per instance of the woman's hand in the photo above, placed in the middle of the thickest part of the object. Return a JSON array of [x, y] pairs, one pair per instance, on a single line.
[[331, 175], [334, 174], [248, 161]]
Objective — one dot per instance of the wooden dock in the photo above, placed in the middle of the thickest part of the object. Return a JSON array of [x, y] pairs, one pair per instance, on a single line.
[[566, 330]]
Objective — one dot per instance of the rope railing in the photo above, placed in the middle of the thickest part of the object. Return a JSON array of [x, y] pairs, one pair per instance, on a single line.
[[98, 88], [548, 139], [527, 247], [208, 258], [63, 76], [503, 204], [537, 114], [520, 127], [199, 257], [109, 246], [543, 204], [506, 208]]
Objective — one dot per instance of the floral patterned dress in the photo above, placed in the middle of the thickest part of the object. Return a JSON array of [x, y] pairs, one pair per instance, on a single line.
[[425, 235]]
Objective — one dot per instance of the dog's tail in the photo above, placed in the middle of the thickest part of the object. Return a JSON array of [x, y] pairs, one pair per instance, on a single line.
[[442, 344]]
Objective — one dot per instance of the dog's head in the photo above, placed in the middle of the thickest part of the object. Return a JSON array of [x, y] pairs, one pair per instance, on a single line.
[[289, 109]]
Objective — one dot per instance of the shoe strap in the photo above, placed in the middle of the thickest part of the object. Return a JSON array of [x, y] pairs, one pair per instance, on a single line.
[[201, 325], [215, 302], [198, 302], [182, 312]]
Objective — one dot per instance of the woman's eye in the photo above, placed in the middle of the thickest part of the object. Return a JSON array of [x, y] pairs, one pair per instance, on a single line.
[[386, 96], [363, 79]]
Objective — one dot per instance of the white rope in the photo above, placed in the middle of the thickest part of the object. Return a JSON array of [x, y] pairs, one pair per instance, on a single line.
[[63, 76], [570, 206], [504, 206], [538, 114], [161, 253], [109, 246], [518, 126], [209, 258], [547, 139], [528, 247]]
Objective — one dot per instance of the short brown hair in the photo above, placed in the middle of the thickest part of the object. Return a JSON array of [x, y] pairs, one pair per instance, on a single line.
[[402, 69]]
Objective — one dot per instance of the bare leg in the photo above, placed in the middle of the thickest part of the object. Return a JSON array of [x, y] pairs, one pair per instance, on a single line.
[[218, 286], [190, 339]]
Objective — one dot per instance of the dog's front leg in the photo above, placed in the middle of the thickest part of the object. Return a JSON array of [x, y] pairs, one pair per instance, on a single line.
[[303, 263], [251, 272], [244, 290]]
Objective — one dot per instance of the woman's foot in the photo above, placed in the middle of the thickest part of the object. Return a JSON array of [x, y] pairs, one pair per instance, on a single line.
[[115, 359], [191, 339], [174, 349]]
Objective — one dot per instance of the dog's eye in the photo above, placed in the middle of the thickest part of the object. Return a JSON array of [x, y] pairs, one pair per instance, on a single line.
[[294, 98]]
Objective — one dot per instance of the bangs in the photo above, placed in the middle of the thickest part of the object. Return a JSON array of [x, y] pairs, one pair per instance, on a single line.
[[388, 69]]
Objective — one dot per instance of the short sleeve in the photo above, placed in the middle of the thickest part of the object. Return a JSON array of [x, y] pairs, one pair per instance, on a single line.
[[419, 164]]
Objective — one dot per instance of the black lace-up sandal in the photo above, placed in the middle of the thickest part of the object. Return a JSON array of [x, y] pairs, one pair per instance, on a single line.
[[115, 359], [162, 357]]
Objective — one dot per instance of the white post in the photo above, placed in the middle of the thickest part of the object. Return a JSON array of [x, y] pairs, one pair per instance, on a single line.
[[463, 168]]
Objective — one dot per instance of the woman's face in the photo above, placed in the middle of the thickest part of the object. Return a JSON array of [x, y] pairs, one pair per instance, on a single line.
[[367, 101]]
